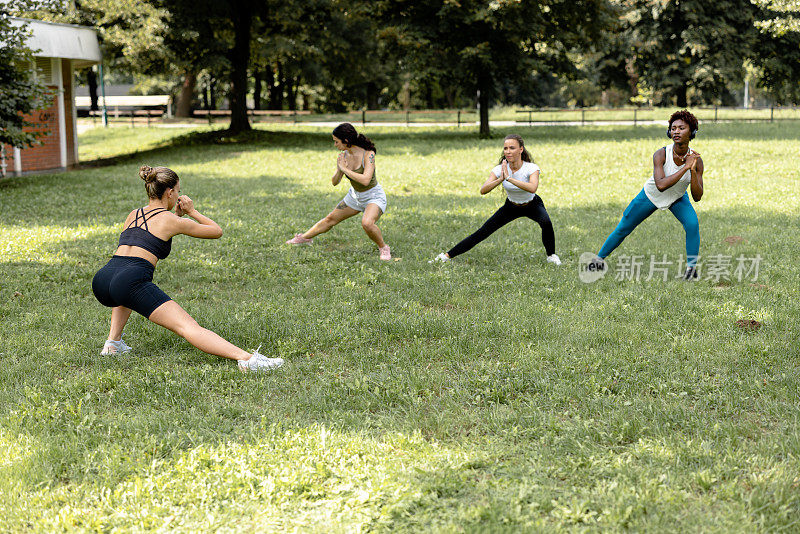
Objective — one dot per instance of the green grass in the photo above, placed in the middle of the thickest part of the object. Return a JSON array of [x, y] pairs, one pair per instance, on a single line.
[[494, 393]]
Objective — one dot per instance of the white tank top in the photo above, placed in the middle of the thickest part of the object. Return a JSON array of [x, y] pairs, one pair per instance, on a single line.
[[664, 199]]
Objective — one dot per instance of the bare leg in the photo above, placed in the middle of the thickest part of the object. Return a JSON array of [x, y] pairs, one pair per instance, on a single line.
[[371, 216], [340, 213], [119, 318], [171, 316]]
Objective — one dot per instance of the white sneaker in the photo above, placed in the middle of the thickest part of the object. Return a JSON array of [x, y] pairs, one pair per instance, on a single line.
[[554, 259], [441, 258], [259, 362], [115, 347]]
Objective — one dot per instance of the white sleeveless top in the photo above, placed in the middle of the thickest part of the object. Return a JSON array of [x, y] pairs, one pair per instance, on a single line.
[[516, 194], [664, 199]]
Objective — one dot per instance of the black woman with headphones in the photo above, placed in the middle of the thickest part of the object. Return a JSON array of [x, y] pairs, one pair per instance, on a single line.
[[676, 168]]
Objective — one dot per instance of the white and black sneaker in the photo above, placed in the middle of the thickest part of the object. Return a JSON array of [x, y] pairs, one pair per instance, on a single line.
[[441, 258], [554, 259], [259, 362], [691, 274], [112, 347]]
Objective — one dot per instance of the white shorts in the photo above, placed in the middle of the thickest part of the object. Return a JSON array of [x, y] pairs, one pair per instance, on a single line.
[[359, 201]]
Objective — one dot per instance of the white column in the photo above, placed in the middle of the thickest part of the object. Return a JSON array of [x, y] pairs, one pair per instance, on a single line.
[[74, 112], [17, 161], [62, 121]]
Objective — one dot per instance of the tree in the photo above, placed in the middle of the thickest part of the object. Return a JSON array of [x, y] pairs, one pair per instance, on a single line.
[[693, 49], [473, 44], [777, 50], [20, 93], [780, 16], [130, 31]]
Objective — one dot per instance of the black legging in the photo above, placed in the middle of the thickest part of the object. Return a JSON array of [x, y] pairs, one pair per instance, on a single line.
[[508, 212]]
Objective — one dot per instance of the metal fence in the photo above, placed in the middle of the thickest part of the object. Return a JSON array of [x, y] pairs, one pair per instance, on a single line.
[[458, 117], [634, 115]]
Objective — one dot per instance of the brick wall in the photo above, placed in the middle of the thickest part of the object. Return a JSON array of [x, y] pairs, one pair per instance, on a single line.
[[46, 155]]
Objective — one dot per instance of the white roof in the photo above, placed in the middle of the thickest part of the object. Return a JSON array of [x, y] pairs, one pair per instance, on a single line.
[[68, 41]]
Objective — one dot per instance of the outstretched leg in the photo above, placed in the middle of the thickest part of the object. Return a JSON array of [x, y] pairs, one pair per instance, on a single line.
[[637, 211], [119, 318], [341, 212], [172, 317], [504, 215], [682, 209], [371, 215], [538, 213]]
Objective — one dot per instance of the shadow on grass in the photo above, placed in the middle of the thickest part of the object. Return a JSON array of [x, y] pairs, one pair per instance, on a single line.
[[427, 140]]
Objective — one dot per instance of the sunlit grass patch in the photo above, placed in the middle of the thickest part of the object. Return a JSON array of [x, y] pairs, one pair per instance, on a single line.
[[492, 393]]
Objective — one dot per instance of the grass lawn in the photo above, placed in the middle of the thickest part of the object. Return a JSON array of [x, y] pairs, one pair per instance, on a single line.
[[493, 393]]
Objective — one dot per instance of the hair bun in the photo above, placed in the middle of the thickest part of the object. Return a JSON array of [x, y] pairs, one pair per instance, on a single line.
[[147, 173]]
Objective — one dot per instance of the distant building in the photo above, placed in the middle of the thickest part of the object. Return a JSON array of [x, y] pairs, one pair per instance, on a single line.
[[59, 49]]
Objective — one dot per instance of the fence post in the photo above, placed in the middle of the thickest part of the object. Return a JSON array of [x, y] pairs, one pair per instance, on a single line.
[[771, 113], [634, 116], [294, 117], [408, 118], [459, 118], [132, 125], [363, 117], [583, 117], [148, 118], [715, 113], [530, 117]]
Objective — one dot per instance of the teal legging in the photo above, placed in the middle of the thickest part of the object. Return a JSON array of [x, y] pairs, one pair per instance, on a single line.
[[641, 208]]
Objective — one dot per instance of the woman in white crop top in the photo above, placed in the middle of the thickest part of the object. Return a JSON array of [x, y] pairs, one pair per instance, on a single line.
[[676, 168], [519, 176]]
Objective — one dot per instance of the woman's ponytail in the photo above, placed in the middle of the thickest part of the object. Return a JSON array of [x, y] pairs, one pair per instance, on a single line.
[[365, 142], [346, 132]]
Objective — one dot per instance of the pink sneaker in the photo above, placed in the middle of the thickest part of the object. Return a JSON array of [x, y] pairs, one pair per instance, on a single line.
[[298, 239], [386, 253]]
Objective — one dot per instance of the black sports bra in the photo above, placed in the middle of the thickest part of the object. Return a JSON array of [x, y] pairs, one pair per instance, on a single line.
[[140, 236]]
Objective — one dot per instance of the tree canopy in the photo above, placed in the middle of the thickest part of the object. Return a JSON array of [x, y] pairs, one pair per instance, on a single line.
[[337, 55], [20, 92]]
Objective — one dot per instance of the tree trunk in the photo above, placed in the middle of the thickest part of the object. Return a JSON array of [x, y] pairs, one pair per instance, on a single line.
[[91, 78], [240, 56], [183, 108], [483, 105], [681, 95], [269, 80], [280, 85], [372, 95], [212, 97], [257, 89], [292, 92], [449, 95]]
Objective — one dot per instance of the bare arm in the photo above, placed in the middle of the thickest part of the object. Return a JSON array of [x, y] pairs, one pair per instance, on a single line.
[[491, 182], [665, 182], [337, 176], [697, 178], [202, 226], [531, 186], [369, 169]]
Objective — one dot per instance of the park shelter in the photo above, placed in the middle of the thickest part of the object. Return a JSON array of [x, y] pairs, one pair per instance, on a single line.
[[59, 49]]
